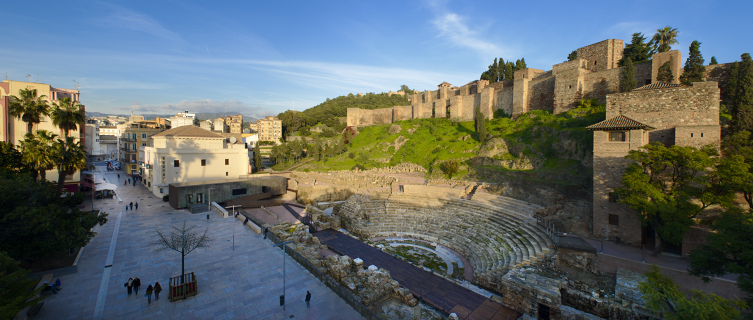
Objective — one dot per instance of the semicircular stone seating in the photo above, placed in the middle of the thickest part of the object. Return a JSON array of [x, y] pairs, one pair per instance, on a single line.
[[492, 232]]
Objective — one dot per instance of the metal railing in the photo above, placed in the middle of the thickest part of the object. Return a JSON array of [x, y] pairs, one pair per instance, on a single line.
[[552, 232], [353, 301]]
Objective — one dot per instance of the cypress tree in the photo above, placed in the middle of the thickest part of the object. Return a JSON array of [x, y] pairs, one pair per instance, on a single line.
[[500, 70], [744, 94], [509, 72], [627, 80], [694, 70], [637, 50], [257, 157], [731, 96], [665, 73], [480, 124], [713, 61], [523, 63], [572, 56]]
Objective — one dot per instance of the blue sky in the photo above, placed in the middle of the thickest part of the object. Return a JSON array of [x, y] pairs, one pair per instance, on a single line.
[[264, 57]]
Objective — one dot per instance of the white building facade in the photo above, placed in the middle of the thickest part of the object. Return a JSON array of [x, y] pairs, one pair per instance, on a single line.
[[191, 154], [183, 119]]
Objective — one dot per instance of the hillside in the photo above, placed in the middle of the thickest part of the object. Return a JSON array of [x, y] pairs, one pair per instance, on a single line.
[[328, 111]]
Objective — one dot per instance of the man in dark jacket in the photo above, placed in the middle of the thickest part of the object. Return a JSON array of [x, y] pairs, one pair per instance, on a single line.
[[308, 299], [131, 206], [136, 284]]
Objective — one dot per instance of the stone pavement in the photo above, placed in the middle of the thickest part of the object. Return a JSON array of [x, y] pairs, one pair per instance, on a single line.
[[244, 283]]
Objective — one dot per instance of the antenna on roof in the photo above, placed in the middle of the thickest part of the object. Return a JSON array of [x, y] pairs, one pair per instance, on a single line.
[[6, 76], [37, 77], [76, 82], [28, 78]]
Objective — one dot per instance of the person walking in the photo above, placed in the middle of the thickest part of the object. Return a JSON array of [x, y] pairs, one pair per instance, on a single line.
[[137, 206], [308, 299], [136, 284], [129, 285], [148, 294], [125, 183], [126, 207], [131, 205], [118, 176], [157, 290]]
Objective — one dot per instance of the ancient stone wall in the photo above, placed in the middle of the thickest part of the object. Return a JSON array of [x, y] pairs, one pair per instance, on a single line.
[[675, 58], [720, 74], [541, 93], [602, 55], [698, 136], [503, 97], [665, 109]]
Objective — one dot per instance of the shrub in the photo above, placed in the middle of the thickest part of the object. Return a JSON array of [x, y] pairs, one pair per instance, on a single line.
[[166, 198], [351, 155], [499, 113], [450, 168]]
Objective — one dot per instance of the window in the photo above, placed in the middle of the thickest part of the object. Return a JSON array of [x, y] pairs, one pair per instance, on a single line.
[[143, 136], [203, 162], [199, 198], [176, 163], [133, 136], [691, 134], [161, 190], [594, 62], [617, 136], [613, 197], [614, 219], [143, 144], [133, 147], [237, 192], [226, 173], [227, 162], [701, 134]]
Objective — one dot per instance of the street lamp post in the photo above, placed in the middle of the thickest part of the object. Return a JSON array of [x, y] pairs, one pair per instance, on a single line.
[[237, 205], [283, 271], [209, 197]]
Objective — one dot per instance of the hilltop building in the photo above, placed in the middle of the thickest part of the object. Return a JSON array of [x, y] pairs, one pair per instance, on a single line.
[[183, 119], [191, 154], [12, 129]]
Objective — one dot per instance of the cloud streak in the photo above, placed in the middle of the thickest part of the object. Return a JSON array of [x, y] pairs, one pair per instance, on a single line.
[[123, 18], [199, 106], [453, 28]]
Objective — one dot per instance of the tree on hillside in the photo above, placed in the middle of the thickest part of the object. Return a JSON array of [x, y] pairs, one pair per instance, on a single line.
[[572, 56], [16, 288], [403, 88], [740, 93], [638, 51], [665, 73], [316, 149], [257, 157], [509, 71], [740, 144], [727, 250], [627, 79], [713, 61], [694, 70], [662, 295], [663, 40], [669, 187], [184, 241], [449, 168], [291, 121], [29, 107], [480, 124], [67, 115]]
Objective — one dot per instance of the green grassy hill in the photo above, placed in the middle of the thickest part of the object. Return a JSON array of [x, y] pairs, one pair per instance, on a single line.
[[536, 142]]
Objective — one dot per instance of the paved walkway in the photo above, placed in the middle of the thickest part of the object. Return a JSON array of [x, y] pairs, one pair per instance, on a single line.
[[244, 283], [435, 290]]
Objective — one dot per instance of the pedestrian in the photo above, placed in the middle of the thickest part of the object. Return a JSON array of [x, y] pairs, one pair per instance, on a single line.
[[148, 294], [118, 176], [157, 290], [125, 183], [136, 284], [129, 285], [265, 232], [126, 207], [131, 205], [137, 206], [308, 299]]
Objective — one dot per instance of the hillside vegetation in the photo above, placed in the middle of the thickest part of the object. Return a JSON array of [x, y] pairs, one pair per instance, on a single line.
[[534, 142]]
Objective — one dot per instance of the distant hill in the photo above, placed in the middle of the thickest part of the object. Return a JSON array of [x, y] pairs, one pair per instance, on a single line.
[[328, 111], [152, 116]]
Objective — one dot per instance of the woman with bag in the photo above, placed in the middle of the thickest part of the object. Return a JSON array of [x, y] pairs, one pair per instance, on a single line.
[[129, 285], [157, 290]]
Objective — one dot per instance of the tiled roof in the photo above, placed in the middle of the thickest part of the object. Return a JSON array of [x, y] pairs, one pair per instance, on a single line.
[[618, 123], [658, 85], [188, 131]]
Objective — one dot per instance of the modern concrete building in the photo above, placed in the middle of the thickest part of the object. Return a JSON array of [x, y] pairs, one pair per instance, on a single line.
[[191, 154], [220, 125], [270, 128], [93, 147], [12, 129], [207, 124], [135, 136], [109, 145], [186, 194], [183, 119]]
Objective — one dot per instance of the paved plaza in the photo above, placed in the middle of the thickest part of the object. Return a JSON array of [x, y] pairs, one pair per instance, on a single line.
[[244, 283]]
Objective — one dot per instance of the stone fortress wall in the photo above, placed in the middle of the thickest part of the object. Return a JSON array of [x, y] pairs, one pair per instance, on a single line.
[[594, 74]]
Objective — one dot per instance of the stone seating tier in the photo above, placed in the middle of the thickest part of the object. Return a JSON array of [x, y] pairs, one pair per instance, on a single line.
[[492, 199], [491, 237]]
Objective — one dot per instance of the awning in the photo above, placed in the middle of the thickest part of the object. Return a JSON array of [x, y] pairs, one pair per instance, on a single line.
[[105, 186]]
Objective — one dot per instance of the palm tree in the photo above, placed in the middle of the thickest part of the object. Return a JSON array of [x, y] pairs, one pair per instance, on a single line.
[[663, 39], [37, 152], [71, 156], [67, 116], [29, 107]]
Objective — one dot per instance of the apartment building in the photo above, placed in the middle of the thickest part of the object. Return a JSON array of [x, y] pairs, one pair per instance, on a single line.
[[235, 123], [12, 129], [92, 136], [183, 119], [135, 136], [270, 128]]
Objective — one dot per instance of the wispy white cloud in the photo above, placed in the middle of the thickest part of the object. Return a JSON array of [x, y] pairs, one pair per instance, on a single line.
[[123, 18], [454, 28], [199, 106], [624, 30]]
